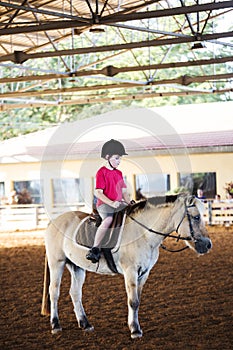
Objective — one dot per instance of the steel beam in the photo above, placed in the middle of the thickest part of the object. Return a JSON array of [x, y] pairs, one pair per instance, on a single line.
[[174, 11], [20, 56], [112, 71], [38, 10], [93, 100], [183, 80], [116, 17]]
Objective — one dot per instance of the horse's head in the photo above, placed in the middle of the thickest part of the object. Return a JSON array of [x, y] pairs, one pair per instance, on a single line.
[[191, 224]]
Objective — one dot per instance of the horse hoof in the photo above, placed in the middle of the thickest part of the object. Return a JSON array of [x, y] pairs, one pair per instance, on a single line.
[[89, 329], [136, 334], [56, 330]]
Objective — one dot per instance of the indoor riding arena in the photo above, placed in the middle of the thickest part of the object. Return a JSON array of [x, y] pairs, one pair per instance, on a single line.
[[156, 77], [186, 302]]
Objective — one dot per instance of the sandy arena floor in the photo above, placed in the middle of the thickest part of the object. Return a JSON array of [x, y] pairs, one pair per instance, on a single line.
[[186, 303]]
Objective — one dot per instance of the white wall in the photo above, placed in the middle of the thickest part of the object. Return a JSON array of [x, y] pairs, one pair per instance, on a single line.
[[221, 163]]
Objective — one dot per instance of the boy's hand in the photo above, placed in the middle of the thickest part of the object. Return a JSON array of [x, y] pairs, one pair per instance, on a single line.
[[116, 204]]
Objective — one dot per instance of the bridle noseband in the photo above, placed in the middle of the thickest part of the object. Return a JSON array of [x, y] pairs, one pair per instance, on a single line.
[[169, 234]]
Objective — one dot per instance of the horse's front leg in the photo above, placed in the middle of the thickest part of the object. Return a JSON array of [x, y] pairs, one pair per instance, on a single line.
[[77, 279], [56, 272], [131, 284]]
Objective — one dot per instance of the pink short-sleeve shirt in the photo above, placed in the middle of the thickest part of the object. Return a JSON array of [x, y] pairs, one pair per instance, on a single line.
[[111, 182]]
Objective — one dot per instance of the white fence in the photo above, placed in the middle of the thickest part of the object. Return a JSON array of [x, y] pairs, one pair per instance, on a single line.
[[29, 216], [219, 213]]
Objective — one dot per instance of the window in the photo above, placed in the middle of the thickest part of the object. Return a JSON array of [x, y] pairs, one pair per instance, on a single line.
[[67, 191], [193, 181], [152, 184], [2, 190], [30, 190]]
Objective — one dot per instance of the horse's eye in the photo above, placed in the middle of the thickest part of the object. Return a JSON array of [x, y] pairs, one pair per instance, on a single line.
[[197, 218]]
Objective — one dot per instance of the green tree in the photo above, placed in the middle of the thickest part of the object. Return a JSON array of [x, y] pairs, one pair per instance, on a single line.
[[16, 122]]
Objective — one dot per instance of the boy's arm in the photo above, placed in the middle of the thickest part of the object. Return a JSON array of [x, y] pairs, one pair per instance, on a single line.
[[126, 196], [99, 194]]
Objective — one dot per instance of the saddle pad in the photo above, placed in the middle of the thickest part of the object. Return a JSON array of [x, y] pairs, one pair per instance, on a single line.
[[86, 234]]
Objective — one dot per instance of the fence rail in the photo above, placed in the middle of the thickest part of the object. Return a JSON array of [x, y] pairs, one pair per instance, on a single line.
[[29, 216], [219, 213]]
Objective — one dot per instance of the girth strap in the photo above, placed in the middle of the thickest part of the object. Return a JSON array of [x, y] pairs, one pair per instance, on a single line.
[[109, 258]]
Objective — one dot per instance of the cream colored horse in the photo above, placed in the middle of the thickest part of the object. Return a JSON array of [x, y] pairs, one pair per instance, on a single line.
[[136, 255]]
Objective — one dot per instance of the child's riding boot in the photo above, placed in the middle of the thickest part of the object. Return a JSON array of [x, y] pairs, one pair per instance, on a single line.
[[93, 255]]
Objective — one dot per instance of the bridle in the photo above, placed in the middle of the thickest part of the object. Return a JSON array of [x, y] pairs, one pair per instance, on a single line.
[[169, 234]]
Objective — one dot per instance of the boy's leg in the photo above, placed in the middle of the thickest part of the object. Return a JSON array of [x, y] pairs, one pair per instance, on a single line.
[[102, 229], [106, 214], [94, 252]]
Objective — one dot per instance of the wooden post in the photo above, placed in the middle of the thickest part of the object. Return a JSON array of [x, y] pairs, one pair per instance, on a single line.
[[36, 215], [210, 212]]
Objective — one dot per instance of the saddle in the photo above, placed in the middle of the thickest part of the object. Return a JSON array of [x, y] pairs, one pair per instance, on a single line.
[[90, 222], [86, 230]]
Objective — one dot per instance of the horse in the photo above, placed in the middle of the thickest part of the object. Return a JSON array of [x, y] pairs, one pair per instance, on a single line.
[[137, 253]]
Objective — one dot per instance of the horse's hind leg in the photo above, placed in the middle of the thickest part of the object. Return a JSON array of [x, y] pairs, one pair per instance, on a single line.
[[77, 279], [56, 272]]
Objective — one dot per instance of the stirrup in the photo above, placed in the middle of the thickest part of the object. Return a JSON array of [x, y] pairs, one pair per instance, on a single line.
[[93, 255]]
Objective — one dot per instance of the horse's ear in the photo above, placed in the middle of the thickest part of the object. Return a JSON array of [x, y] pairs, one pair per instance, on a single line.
[[200, 206], [190, 201]]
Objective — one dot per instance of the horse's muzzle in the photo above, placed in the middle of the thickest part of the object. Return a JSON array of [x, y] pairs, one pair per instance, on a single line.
[[203, 245]]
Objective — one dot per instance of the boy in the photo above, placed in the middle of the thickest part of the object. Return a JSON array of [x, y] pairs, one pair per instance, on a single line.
[[110, 191]]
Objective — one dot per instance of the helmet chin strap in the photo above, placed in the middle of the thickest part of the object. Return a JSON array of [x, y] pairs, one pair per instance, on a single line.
[[111, 165]]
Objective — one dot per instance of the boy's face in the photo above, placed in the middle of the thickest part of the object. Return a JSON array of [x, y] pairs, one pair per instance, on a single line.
[[114, 160]]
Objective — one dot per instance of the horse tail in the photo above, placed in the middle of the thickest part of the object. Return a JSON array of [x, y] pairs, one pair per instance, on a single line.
[[45, 307]]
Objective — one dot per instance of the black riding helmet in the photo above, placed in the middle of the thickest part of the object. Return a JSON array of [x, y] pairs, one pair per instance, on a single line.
[[113, 147]]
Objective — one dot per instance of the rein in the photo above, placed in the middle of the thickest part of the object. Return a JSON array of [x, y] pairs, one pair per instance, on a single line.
[[165, 235], [173, 251]]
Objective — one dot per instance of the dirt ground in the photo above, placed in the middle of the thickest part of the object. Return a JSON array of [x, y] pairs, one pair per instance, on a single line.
[[186, 302]]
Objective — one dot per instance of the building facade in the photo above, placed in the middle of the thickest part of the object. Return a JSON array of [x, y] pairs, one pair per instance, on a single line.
[[57, 166]]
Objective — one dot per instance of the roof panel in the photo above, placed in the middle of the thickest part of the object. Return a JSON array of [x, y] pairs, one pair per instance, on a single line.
[[47, 29], [45, 145]]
